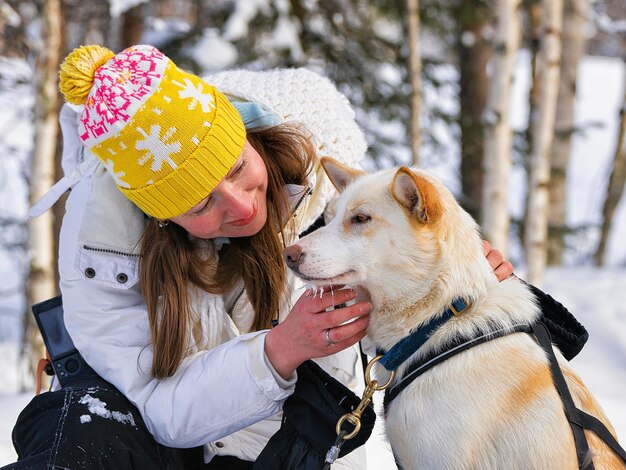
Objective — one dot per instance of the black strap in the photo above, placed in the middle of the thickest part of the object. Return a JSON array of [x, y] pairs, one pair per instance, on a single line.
[[437, 357], [317, 224], [594, 424], [364, 359], [578, 419], [572, 413]]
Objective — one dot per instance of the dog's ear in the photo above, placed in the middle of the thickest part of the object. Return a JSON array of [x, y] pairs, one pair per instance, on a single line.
[[417, 194], [339, 174]]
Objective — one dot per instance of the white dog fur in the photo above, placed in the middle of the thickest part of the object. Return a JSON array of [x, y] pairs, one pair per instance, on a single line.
[[401, 235]]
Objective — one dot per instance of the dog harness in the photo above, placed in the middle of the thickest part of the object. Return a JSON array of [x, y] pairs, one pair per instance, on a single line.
[[577, 418]]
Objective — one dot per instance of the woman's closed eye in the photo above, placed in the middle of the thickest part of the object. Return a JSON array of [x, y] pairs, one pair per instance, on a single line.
[[203, 208], [239, 168]]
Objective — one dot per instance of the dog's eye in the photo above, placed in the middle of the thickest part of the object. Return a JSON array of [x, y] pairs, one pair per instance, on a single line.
[[360, 218]]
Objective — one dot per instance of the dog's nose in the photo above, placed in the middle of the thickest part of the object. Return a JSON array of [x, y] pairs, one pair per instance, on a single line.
[[293, 256]]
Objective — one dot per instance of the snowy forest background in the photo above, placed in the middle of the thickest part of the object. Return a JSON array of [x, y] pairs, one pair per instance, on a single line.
[[519, 105]]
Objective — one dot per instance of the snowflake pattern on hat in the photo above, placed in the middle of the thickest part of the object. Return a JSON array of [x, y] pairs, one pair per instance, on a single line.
[[197, 95], [158, 149]]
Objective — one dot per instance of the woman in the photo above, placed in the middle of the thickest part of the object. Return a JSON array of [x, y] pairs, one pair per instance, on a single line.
[[146, 304], [172, 280]]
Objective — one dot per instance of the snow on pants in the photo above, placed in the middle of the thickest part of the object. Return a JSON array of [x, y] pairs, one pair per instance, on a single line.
[[89, 424]]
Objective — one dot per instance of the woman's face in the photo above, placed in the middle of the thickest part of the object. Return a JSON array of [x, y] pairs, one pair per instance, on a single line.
[[237, 207]]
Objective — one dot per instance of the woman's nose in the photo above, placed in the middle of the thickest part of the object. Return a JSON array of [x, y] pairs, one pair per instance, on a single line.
[[239, 204]]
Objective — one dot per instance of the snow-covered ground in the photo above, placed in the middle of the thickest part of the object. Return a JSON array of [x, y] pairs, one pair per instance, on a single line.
[[597, 297]]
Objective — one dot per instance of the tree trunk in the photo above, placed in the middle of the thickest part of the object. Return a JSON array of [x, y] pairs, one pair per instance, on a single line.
[[473, 18], [617, 181], [533, 10], [534, 17], [415, 74], [535, 242], [42, 284], [498, 135], [574, 20], [132, 26]]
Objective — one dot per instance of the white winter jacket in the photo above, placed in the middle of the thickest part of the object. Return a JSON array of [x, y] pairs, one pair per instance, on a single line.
[[225, 395]]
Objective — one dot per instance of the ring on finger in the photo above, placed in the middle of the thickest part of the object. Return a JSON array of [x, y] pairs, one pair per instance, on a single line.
[[328, 340]]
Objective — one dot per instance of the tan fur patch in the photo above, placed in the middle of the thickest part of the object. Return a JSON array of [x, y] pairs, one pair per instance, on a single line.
[[423, 199], [432, 203], [536, 380]]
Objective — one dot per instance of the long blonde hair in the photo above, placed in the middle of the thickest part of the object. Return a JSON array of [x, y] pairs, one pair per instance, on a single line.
[[171, 261]]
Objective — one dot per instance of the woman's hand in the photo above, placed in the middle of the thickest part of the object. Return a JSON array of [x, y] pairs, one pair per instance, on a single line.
[[309, 331], [501, 268]]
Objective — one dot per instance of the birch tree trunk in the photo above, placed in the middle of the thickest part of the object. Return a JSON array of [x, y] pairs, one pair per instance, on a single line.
[[415, 74], [574, 20], [473, 21], [498, 134], [617, 181], [535, 242], [534, 13], [42, 284]]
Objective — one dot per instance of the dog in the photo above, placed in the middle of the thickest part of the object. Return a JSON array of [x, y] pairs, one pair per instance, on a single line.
[[402, 236]]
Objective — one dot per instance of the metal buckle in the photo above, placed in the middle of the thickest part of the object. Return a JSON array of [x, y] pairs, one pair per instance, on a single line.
[[459, 312]]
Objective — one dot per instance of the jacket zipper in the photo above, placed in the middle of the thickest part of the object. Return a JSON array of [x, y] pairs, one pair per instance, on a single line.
[[232, 309], [111, 252], [307, 191]]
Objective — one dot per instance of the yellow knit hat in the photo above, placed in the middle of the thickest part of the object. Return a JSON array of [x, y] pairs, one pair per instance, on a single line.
[[165, 135]]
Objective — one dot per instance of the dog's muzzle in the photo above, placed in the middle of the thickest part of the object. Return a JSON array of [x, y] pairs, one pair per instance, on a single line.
[[294, 255]]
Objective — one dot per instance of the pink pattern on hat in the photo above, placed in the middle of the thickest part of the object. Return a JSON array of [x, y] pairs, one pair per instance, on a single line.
[[120, 87]]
